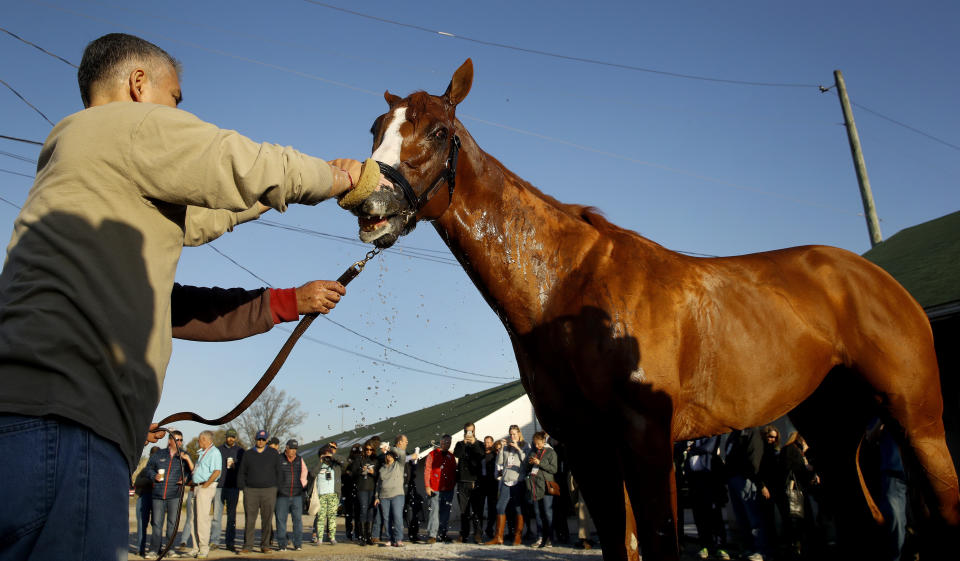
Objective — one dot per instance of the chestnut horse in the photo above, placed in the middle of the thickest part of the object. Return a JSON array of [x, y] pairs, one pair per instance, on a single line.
[[622, 340]]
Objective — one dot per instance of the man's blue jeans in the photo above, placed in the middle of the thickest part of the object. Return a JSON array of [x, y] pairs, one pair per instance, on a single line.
[[163, 508], [439, 504], [391, 510], [294, 507], [64, 492], [187, 532], [230, 497]]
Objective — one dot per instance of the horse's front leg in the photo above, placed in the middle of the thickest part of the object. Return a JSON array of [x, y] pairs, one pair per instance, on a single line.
[[647, 462], [601, 483]]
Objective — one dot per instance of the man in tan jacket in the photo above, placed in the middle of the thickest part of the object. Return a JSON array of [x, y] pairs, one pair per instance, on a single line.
[[85, 291]]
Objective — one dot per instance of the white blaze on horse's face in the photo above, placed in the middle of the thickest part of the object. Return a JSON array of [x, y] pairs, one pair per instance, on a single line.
[[389, 150]]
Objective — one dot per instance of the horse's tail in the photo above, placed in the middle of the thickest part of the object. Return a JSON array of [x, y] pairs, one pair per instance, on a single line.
[[871, 504]]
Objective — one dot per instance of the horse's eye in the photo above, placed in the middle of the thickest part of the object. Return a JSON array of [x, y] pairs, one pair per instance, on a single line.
[[441, 134]]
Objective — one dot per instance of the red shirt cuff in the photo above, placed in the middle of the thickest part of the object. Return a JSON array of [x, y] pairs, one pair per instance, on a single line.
[[283, 305]]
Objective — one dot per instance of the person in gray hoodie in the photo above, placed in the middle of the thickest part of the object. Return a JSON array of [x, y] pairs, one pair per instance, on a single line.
[[390, 494]]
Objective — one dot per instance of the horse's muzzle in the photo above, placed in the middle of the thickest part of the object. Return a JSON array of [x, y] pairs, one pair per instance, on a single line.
[[384, 217]]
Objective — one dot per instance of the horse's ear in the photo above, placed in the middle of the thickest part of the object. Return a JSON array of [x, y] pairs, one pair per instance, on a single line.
[[460, 83], [391, 99]]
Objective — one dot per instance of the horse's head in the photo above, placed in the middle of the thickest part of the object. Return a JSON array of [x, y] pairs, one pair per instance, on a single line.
[[417, 144]]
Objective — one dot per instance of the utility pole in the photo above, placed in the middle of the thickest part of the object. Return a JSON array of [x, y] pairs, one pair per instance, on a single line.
[[869, 210]]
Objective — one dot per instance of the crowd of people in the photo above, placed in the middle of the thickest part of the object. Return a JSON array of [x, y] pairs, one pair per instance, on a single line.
[[383, 493], [506, 492], [775, 494], [275, 485]]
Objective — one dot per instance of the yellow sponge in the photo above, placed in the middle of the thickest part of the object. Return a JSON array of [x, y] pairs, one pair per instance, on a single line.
[[364, 187]]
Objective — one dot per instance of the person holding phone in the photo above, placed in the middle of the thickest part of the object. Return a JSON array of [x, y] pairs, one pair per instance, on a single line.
[[329, 490], [513, 454], [469, 453]]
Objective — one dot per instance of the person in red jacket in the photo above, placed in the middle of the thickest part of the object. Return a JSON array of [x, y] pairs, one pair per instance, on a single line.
[[439, 479]]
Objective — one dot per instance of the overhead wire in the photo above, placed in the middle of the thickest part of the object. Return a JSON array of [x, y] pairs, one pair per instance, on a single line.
[[17, 157], [18, 139], [32, 106], [265, 282], [906, 126], [17, 173], [578, 146], [561, 56], [38, 47], [14, 205], [387, 362]]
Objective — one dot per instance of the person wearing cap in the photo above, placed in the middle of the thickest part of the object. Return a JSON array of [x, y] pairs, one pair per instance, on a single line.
[[328, 482], [293, 480], [259, 478], [228, 492]]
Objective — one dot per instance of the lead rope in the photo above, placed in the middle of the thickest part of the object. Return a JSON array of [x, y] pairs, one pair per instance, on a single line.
[[267, 377]]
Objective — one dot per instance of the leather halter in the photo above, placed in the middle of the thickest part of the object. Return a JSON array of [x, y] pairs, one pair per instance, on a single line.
[[418, 202]]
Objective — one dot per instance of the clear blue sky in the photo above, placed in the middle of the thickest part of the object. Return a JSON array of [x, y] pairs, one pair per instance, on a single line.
[[699, 166]]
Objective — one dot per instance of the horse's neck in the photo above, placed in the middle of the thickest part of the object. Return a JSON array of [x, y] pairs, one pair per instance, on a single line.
[[512, 243]]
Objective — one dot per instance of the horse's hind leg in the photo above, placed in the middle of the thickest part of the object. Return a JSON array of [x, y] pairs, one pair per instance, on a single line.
[[911, 393]]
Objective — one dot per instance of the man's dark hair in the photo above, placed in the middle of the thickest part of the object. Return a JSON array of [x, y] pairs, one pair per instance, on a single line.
[[105, 58]]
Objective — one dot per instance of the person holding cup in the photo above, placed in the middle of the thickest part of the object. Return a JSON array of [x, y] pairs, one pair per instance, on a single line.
[[167, 469]]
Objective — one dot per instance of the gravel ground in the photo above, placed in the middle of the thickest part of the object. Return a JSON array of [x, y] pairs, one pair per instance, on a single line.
[[353, 552]]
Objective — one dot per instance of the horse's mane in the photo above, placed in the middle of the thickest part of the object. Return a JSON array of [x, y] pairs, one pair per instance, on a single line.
[[418, 104], [589, 214]]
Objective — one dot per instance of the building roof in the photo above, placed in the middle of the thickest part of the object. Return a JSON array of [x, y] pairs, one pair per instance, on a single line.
[[925, 259], [427, 425]]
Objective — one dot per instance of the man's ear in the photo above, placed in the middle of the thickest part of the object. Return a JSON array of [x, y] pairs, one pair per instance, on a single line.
[[137, 82]]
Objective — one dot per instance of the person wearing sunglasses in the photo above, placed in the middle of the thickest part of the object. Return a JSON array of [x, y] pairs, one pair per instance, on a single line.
[[168, 469], [364, 470]]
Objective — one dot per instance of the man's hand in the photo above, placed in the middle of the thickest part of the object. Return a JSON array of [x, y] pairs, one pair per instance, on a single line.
[[429, 491], [352, 169], [154, 434], [319, 296]]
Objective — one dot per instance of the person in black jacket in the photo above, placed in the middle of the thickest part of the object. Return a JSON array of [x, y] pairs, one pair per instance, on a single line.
[[488, 483], [259, 478], [365, 470], [469, 453], [348, 489], [169, 469]]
